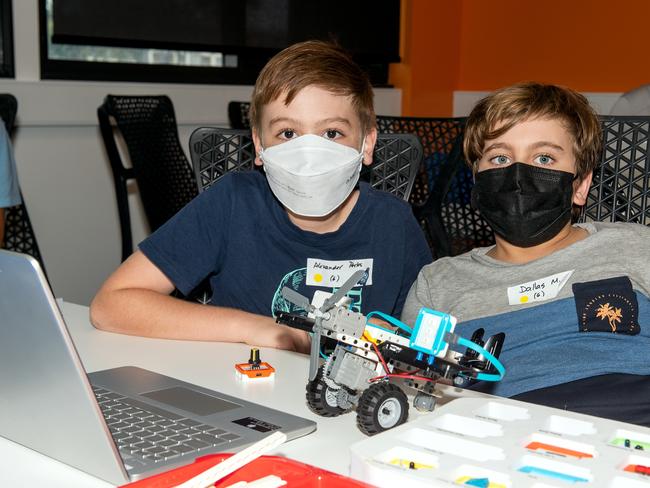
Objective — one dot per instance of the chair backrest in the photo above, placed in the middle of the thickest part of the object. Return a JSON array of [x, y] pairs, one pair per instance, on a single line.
[[438, 137], [440, 197], [158, 164], [238, 115], [216, 151], [620, 190], [18, 231]]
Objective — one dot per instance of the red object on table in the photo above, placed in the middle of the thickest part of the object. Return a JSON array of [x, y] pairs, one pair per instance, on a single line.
[[534, 446], [296, 474], [638, 468]]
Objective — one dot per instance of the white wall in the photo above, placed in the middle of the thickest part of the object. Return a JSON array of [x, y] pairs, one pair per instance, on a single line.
[[63, 168]]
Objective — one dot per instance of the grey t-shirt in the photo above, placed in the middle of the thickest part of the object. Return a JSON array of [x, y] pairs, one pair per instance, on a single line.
[[552, 335]]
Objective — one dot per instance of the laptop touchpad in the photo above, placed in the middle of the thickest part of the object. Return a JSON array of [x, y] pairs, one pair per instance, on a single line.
[[190, 400]]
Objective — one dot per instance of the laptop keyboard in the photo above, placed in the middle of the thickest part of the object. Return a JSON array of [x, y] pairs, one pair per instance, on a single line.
[[144, 433]]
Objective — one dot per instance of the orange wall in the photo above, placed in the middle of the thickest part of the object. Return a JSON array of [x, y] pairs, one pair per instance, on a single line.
[[478, 45], [430, 56]]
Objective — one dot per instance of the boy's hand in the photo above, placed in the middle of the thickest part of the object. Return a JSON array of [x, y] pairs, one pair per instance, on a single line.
[[382, 323], [270, 334], [302, 340]]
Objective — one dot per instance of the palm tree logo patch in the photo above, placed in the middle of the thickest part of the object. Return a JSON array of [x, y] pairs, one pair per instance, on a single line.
[[608, 305], [612, 314]]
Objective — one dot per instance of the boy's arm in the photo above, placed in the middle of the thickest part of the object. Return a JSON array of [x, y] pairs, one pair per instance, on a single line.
[[417, 254], [419, 296], [135, 300]]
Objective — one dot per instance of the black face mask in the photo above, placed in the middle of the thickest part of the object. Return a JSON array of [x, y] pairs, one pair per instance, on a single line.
[[526, 205]]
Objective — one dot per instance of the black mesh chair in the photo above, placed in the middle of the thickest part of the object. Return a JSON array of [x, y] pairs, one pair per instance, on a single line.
[[158, 164], [441, 195], [620, 191], [215, 152], [238, 115], [18, 231]]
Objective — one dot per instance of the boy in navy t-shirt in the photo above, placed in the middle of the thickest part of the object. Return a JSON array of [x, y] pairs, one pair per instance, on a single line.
[[306, 223]]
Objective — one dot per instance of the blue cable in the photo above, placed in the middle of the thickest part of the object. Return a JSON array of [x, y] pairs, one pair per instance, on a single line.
[[391, 320], [483, 352]]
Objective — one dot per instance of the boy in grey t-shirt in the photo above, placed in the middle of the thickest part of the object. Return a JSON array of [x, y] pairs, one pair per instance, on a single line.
[[572, 299]]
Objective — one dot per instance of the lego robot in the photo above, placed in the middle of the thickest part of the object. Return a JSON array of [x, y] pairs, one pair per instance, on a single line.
[[372, 366]]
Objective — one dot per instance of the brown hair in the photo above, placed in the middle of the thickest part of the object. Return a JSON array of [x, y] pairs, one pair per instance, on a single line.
[[517, 103], [309, 63]]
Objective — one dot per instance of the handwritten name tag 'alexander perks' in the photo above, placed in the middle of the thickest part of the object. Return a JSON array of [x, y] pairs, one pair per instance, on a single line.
[[321, 272], [538, 290], [608, 305]]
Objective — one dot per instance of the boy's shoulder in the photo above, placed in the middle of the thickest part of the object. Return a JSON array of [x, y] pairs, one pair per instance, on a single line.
[[383, 198], [627, 233], [608, 237], [238, 183], [240, 192], [452, 269], [241, 178]]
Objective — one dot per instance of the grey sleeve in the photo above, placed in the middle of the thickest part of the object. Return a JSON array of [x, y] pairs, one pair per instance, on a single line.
[[634, 102], [419, 296]]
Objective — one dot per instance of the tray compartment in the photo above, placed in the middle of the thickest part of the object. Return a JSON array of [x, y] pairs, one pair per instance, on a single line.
[[568, 426], [631, 440], [467, 472], [622, 482], [501, 411], [456, 446], [547, 469], [402, 457], [560, 447], [467, 426]]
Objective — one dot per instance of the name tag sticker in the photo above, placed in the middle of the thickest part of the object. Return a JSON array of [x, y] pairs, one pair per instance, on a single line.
[[538, 290], [321, 272]]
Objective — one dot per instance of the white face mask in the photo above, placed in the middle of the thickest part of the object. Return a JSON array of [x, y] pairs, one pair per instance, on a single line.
[[311, 175]]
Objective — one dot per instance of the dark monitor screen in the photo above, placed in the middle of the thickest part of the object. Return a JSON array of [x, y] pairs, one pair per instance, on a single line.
[[367, 28]]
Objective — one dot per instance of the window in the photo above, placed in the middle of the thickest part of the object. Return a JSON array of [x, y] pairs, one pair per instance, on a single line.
[[115, 63], [6, 40], [205, 41]]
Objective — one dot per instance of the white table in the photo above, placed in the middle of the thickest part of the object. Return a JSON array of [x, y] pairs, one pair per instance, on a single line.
[[207, 364]]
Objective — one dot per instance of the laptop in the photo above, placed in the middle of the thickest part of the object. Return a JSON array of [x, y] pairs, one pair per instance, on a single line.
[[120, 424]]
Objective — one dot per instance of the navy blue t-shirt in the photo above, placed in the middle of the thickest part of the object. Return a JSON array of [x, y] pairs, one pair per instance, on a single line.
[[239, 235]]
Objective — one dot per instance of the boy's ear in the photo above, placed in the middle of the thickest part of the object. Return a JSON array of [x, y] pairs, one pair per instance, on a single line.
[[581, 189], [257, 142], [369, 148]]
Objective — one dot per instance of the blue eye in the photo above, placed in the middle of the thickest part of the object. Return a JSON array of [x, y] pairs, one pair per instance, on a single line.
[[544, 159], [501, 159]]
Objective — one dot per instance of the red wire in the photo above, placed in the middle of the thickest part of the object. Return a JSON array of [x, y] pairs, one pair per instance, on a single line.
[[381, 358], [403, 376], [396, 375]]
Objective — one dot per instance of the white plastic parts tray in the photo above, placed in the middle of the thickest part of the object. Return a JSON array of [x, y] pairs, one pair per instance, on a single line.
[[502, 443]]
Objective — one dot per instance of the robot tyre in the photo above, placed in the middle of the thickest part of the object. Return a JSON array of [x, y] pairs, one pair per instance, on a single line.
[[381, 407], [321, 399]]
